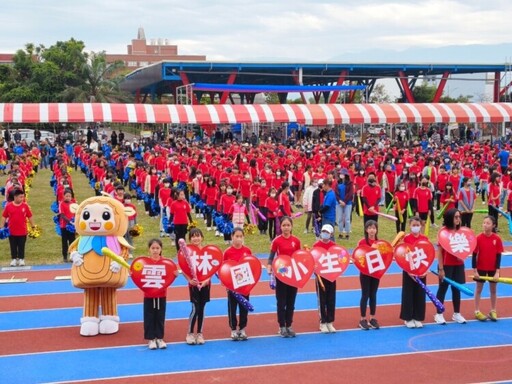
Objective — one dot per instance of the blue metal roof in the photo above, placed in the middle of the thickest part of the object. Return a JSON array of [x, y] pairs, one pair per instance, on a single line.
[[160, 77]]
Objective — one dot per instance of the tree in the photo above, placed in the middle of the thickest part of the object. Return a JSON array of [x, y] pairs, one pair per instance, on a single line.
[[379, 95], [424, 93], [99, 82], [271, 98]]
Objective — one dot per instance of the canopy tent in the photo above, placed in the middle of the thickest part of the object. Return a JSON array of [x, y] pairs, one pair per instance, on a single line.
[[310, 114]]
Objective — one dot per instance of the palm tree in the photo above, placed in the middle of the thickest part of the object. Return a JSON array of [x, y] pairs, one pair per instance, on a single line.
[[101, 82]]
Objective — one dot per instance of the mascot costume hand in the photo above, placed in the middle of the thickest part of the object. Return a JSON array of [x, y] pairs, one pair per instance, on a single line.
[[100, 221]]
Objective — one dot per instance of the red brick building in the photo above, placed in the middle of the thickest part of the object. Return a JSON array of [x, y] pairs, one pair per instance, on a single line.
[[6, 58], [140, 53]]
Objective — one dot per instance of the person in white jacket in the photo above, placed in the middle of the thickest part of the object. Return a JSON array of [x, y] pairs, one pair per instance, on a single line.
[[307, 202]]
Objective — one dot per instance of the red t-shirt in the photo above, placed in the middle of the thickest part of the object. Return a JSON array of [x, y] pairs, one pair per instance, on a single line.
[[285, 246], [17, 218], [487, 248], [180, 210], [423, 197], [326, 246], [236, 254], [411, 239], [372, 196], [64, 209]]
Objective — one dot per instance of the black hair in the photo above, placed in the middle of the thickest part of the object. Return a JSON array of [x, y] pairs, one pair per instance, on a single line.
[[367, 225], [155, 240], [449, 218], [237, 229], [195, 231]]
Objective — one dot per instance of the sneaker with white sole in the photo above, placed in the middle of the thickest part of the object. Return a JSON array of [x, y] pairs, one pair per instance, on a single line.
[[234, 335], [152, 344], [439, 319], [291, 332], [363, 324], [331, 328], [410, 324], [161, 344], [418, 324], [21, 262], [199, 339], [13, 263], [493, 316], [242, 335], [323, 328], [190, 339], [458, 318], [282, 332]]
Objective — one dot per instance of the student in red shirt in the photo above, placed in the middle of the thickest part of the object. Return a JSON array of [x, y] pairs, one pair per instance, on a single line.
[[448, 196], [235, 252], [272, 206], [65, 217], [284, 244], [370, 198], [180, 216], [401, 199], [210, 196], [494, 193], [486, 262], [325, 289], [16, 214], [226, 202], [423, 201], [413, 304], [451, 267]]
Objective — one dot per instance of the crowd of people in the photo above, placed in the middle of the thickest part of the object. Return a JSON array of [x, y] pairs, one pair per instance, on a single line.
[[263, 185]]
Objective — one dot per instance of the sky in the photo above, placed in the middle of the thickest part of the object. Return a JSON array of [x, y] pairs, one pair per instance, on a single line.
[[277, 30]]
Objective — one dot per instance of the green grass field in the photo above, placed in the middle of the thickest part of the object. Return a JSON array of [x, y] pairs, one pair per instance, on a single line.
[[47, 248]]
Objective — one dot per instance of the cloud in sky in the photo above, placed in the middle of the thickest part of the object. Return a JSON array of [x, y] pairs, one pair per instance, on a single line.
[[305, 30]]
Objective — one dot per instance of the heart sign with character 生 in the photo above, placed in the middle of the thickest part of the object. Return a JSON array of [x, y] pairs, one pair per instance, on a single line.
[[294, 270], [416, 258], [331, 263], [206, 261], [153, 277], [240, 276], [460, 243], [375, 260]]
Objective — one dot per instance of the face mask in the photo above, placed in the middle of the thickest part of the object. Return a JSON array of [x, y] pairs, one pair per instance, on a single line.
[[176, 162], [244, 160], [325, 235], [204, 160], [402, 188], [247, 177], [415, 230], [263, 185], [272, 195], [229, 191], [424, 184], [361, 173], [278, 173], [371, 181], [315, 185]]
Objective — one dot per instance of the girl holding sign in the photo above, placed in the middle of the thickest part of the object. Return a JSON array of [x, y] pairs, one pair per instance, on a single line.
[[413, 296], [236, 252], [284, 244], [451, 267], [154, 304]]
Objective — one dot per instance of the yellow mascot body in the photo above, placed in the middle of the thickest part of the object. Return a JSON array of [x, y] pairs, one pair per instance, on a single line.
[[100, 221]]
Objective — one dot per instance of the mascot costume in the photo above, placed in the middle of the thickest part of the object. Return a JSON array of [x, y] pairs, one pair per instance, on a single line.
[[100, 221]]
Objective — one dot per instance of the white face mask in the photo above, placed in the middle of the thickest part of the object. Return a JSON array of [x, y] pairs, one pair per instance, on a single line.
[[272, 195], [325, 235], [416, 229], [402, 188], [229, 190]]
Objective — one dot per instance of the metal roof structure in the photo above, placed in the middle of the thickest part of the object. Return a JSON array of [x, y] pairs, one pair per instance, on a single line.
[[165, 77]]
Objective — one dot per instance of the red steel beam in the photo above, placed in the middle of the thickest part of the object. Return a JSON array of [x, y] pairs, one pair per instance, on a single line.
[[496, 93], [405, 86], [225, 94], [505, 89], [440, 87], [336, 94]]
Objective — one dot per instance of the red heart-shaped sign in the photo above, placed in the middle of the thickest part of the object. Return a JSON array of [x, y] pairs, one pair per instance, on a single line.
[[294, 270], [460, 243], [240, 276], [331, 263], [153, 276], [375, 260], [206, 261], [417, 258]]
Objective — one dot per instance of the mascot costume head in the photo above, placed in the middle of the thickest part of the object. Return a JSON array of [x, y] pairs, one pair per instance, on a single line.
[[101, 221]]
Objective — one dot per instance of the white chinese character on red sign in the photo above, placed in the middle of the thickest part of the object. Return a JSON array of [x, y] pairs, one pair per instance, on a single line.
[[294, 270], [330, 263], [416, 258], [374, 261], [459, 243], [153, 276]]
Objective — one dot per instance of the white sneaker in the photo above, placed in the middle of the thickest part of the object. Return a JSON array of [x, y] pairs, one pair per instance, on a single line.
[[410, 324], [305, 231], [21, 262], [323, 328], [190, 339], [161, 344], [439, 319], [217, 233], [13, 263], [458, 318], [331, 328], [152, 344], [234, 335], [418, 324], [208, 229], [199, 339]]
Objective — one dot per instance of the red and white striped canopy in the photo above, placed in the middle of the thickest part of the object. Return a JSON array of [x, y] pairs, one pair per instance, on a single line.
[[311, 114]]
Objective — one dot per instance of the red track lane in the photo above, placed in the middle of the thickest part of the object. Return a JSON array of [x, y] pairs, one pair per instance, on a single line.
[[454, 367], [68, 338], [71, 300]]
